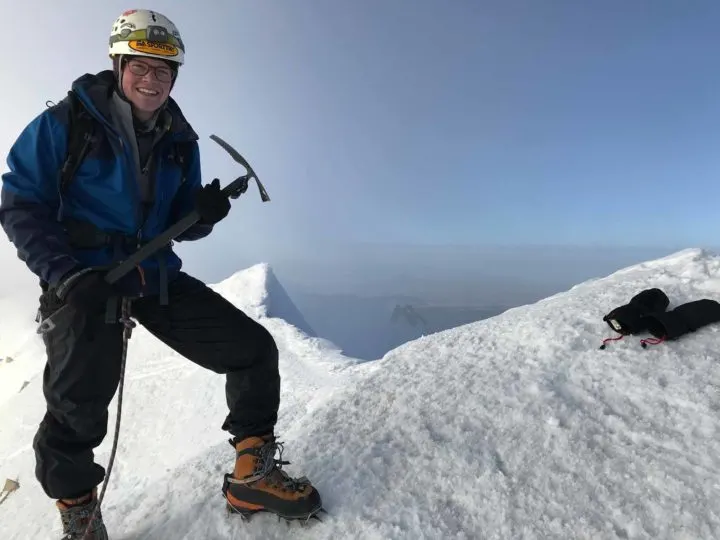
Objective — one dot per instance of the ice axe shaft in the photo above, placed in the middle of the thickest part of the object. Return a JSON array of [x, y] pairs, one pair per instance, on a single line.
[[233, 190]]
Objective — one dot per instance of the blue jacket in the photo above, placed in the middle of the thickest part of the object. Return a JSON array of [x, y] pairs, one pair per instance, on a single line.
[[104, 192]]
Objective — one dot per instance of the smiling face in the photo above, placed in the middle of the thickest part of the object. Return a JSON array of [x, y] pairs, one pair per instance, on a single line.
[[146, 83]]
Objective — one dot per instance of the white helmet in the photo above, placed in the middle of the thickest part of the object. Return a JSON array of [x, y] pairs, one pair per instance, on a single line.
[[142, 32]]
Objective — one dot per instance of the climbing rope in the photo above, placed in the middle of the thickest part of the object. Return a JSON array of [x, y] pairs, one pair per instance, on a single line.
[[128, 325]]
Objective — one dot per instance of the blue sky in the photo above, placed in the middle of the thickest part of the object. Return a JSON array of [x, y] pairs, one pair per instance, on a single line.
[[425, 122]]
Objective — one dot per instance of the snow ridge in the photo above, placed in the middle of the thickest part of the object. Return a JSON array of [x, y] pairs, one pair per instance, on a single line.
[[516, 426], [260, 294]]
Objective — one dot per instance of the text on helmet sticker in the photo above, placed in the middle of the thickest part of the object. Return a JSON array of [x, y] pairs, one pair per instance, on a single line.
[[153, 47]]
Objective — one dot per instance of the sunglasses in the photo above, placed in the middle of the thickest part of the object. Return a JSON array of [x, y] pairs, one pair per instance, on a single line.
[[162, 73]]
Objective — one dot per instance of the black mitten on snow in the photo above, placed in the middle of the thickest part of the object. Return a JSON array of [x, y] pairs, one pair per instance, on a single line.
[[683, 319], [211, 203], [629, 318]]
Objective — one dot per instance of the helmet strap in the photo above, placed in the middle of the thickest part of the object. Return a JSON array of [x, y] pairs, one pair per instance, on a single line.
[[118, 63]]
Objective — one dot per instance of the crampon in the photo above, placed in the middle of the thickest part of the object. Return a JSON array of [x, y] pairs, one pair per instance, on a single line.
[[259, 485], [246, 515]]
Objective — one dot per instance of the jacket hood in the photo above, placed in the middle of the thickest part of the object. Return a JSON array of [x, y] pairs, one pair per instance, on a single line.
[[96, 90]]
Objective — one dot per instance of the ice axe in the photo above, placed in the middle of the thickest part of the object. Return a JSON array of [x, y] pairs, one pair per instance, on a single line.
[[8, 488], [233, 190]]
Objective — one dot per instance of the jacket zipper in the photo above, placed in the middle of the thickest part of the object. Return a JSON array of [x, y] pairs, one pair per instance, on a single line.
[[135, 184]]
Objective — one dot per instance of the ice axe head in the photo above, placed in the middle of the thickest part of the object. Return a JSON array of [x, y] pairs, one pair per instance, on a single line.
[[10, 485], [240, 184]]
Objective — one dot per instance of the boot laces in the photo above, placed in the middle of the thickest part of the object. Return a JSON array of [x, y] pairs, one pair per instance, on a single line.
[[270, 468]]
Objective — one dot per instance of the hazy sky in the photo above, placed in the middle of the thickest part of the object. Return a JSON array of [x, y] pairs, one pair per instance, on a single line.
[[422, 122]]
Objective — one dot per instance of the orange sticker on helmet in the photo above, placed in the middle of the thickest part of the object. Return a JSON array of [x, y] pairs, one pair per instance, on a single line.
[[153, 47]]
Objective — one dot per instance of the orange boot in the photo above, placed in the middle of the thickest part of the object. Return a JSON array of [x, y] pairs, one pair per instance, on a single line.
[[258, 484]]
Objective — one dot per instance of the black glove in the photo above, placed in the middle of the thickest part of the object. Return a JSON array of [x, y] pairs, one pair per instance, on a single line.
[[211, 203], [630, 318], [683, 319], [86, 290]]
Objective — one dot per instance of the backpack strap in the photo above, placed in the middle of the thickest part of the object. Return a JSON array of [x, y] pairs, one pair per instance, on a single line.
[[181, 155], [81, 130]]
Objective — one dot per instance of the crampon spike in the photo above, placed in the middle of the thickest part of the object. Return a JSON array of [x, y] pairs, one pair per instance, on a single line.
[[248, 515], [317, 517]]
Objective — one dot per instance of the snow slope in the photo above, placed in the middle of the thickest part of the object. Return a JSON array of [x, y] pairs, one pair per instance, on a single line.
[[513, 427], [22, 355]]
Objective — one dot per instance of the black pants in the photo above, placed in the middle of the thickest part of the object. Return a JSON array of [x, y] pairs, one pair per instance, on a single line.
[[83, 372]]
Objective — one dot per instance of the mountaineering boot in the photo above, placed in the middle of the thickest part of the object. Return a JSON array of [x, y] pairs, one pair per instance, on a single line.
[[259, 485], [75, 515]]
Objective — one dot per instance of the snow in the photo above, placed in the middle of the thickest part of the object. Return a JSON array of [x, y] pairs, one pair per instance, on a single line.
[[517, 426], [22, 354], [258, 292]]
